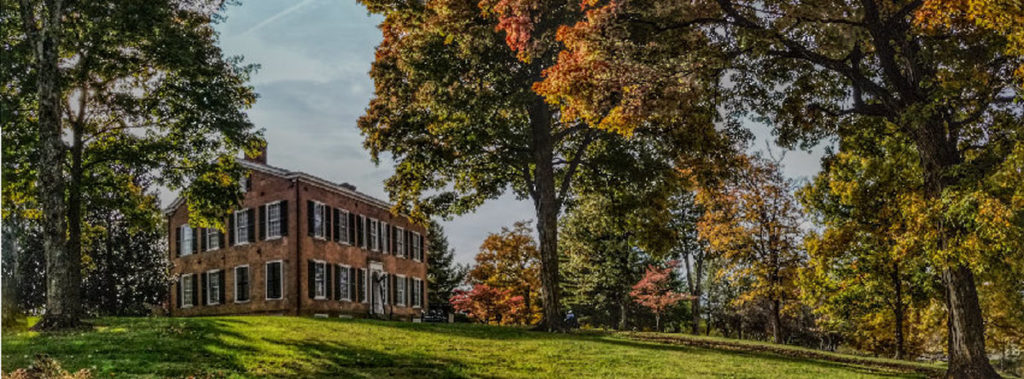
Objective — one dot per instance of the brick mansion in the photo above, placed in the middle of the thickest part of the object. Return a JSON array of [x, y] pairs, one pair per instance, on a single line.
[[298, 245]]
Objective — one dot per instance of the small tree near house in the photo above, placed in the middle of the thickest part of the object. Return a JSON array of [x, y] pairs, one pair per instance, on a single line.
[[655, 292]]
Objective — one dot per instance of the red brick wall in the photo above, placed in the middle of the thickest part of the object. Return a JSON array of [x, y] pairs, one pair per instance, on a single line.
[[267, 188], [338, 253]]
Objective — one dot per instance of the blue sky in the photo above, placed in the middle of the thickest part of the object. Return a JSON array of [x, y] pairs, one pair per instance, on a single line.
[[313, 86]]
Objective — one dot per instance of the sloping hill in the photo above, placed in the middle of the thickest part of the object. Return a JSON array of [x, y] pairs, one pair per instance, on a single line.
[[293, 346]]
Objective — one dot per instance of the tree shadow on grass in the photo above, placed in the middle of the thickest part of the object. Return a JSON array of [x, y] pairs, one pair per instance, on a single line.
[[764, 356], [333, 359], [133, 347], [485, 332]]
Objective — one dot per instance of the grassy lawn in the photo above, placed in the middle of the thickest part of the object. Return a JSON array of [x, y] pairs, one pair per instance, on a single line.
[[294, 346]]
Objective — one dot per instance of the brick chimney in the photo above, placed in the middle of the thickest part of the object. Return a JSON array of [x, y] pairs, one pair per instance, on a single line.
[[260, 157]]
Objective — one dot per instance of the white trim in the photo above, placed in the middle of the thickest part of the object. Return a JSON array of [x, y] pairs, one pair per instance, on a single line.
[[415, 247], [323, 221], [248, 280], [400, 243], [215, 232], [345, 289], [293, 175], [191, 240], [238, 241], [343, 217], [374, 236], [266, 279], [209, 285], [192, 278], [267, 236], [316, 265], [418, 292], [401, 278]]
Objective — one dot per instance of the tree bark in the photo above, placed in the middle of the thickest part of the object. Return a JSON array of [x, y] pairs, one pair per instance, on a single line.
[[776, 320], [967, 357], [547, 207], [63, 307], [898, 310], [622, 312]]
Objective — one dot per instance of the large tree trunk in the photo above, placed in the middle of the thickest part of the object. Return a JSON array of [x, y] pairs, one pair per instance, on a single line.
[[967, 357], [622, 312], [547, 207], [63, 307], [776, 320], [898, 309]]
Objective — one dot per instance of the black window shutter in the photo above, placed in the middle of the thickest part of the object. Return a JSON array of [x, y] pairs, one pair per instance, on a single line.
[[422, 248], [195, 240], [312, 280], [327, 281], [231, 230], [408, 244], [203, 288], [366, 230], [352, 284], [408, 291], [359, 285], [284, 217], [386, 247], [220, 239], [251, 213], [202, 240], [223, 286], [337, 224], [351, 229], [178, 285], [361, 232], [309, 217], [263, 221], [248, 182], [393, 234], [195, 291], [328, 225], [380, 235], [393, 288], [177, 242]]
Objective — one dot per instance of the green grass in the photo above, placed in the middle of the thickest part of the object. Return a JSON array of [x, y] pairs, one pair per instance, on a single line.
[[294, 346]]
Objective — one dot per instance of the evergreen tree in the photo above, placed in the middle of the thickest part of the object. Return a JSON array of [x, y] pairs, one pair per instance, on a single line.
[[443, 274]]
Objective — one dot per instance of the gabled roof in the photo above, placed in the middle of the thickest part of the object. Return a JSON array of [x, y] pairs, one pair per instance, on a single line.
[[343, 188]]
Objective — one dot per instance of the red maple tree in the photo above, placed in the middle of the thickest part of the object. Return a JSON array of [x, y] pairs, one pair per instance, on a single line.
[[655, 292]]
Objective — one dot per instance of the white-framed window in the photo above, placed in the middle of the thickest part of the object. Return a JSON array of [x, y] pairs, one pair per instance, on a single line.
[[187, 297], [187, 240], [212, 239], [319, 222], [400, 291], [400, 243], [274, 280], [242, 227], [416, 246], [274, 220], [384, 240], [366, 287], [374, 229], [213, 287], [417, 292], [242, 284], [319, 280], [343, 227], [341, 276]]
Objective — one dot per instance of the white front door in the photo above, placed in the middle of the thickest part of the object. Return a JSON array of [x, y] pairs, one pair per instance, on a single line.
[[376, 299]]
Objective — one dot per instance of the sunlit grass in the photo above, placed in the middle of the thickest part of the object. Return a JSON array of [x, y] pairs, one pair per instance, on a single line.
[[294, 346]]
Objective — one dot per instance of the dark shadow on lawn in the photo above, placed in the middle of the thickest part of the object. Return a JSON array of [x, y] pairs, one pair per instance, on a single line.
[[168, 346], [333, 359], [487, 332]]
